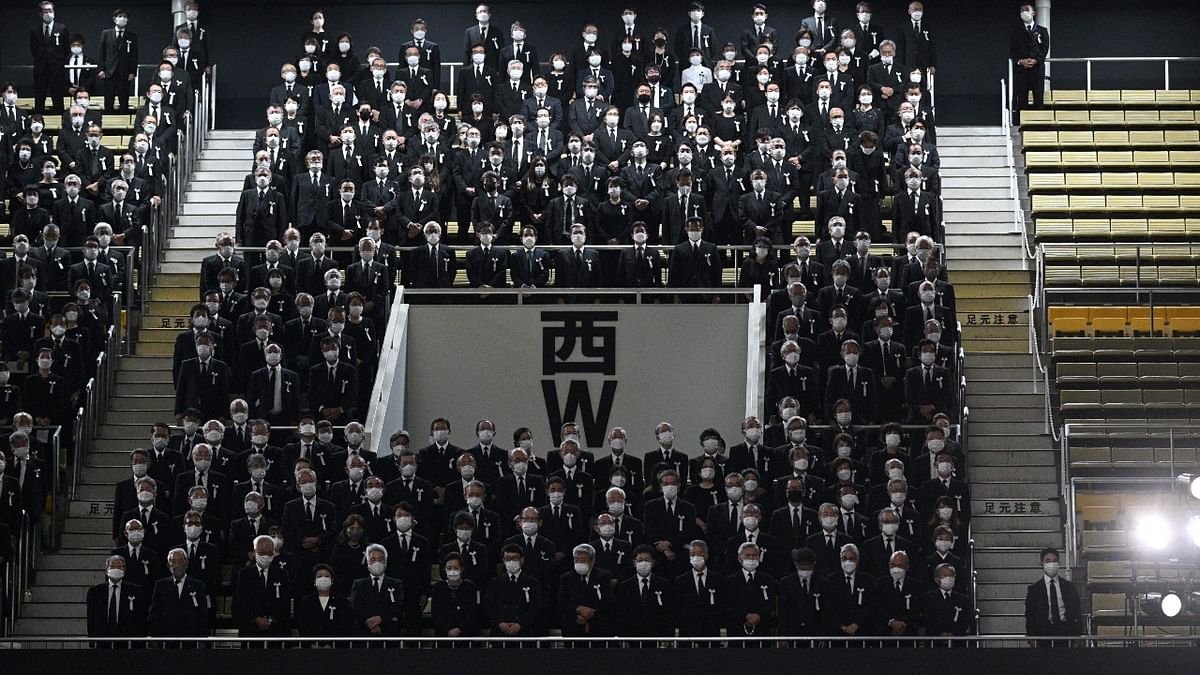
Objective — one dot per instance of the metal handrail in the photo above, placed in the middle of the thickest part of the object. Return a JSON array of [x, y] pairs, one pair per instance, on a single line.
[[560, 642], [1089, 60]]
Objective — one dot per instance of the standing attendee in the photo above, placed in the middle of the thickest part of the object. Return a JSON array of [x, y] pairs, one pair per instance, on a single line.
[[48, 45], [1028, 46], [1051, 603]]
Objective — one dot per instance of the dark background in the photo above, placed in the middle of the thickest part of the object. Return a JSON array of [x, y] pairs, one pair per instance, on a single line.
[[253, 38]]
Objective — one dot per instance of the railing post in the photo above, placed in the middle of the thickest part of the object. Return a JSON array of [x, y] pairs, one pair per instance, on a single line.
[[1167, 73], [1088, 66]]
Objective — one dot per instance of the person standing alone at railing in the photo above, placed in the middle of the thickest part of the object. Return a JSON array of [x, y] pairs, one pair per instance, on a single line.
[[1028, 46]]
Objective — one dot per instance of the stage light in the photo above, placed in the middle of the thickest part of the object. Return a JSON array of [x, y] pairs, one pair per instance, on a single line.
[[1171, 605], [1153, 531], [1192, 481]]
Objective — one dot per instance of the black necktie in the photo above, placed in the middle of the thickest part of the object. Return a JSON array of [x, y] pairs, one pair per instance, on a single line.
[[1054, 610], [113, 605]]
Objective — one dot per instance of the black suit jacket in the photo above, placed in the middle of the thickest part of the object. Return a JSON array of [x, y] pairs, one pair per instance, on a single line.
[[1037, 609], [336, 619], [175, 614], [131, 611], [209, 393], [251, 599], [387, 603]]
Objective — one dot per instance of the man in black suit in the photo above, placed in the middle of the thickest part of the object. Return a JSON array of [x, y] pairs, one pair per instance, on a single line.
[[432, 265], [204, 383], [915, 209], [118, 61], [261, 212], [483, 33], [378, 599], [179, 606], [143, 565], [1028, 45], [695, 263], [840, 200], [645, 601], [311, 196], [947, 612], [670, 524], [850, 596], [577, 266], [699, 595], [762, 212], [695, 35], [273, 391], [751, 596], [876, 553], [1051, 603], [928, 388], [915, 45], [638, 266], [585, 596], [802, 595], [116, 607], [49, 44], [853, 383], [888, 359], [309, 523], [429, 52], [529, 265], [333, 385], [900, 594], [513, 600]]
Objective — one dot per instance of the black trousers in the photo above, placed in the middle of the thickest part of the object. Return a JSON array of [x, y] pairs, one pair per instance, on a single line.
[[1026, 80]]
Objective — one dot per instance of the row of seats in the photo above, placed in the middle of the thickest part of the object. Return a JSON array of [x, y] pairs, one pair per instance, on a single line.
[[1118, 138], [1113, 180], [1075, 159], [1151, 375], [1123, 229], [1150, 253], [1078, 203], [1125, 348], [1035, 119], [1124, 403], [1129, 274], [1102, 321], [1110, 98]]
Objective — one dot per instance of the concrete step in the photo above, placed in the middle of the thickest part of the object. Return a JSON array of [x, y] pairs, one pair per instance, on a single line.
[[1006, 458], [37, 627], [982, 411], [1006, 401], [237, 153], [182, 268], [1009, 575], [143, 363], [76, 594], [112, 475], [152, 332], [54, 610], [169, 308], [176, 293], [200, 189], [1004, 607], [990, 624], [205, 221], [84, 525], [997, 204], [1012, 346], [1014, 473], [121, 403], [95, 492], [986, 361], [94, 540], [981, 523], [192, 257], [975, 386], [1011, 241], [201, 177], [981, 147], [1013, 490], [972, 290], [995, 303], [238, 143], [967, 192], [986, 264], [960, 182], [1019, 538], [1011, 331], [1002, 591], [962, 161], [235, 165], [222, 207], [1012, 557], [86, 560], [968, 172], [73, 578], [155, 349]]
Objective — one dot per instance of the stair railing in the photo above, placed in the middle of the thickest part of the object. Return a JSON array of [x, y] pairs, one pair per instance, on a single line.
[[18, 574]]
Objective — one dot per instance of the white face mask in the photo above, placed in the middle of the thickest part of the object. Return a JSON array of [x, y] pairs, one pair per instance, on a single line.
[[1050, 568]]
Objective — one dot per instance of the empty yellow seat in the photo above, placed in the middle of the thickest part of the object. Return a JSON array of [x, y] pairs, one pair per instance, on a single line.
[[1104, 312], [1109, 325], [1184, 326]]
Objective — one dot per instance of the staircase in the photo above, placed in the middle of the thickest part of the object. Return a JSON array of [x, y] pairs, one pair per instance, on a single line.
[[1012, 463], [142, 394]]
